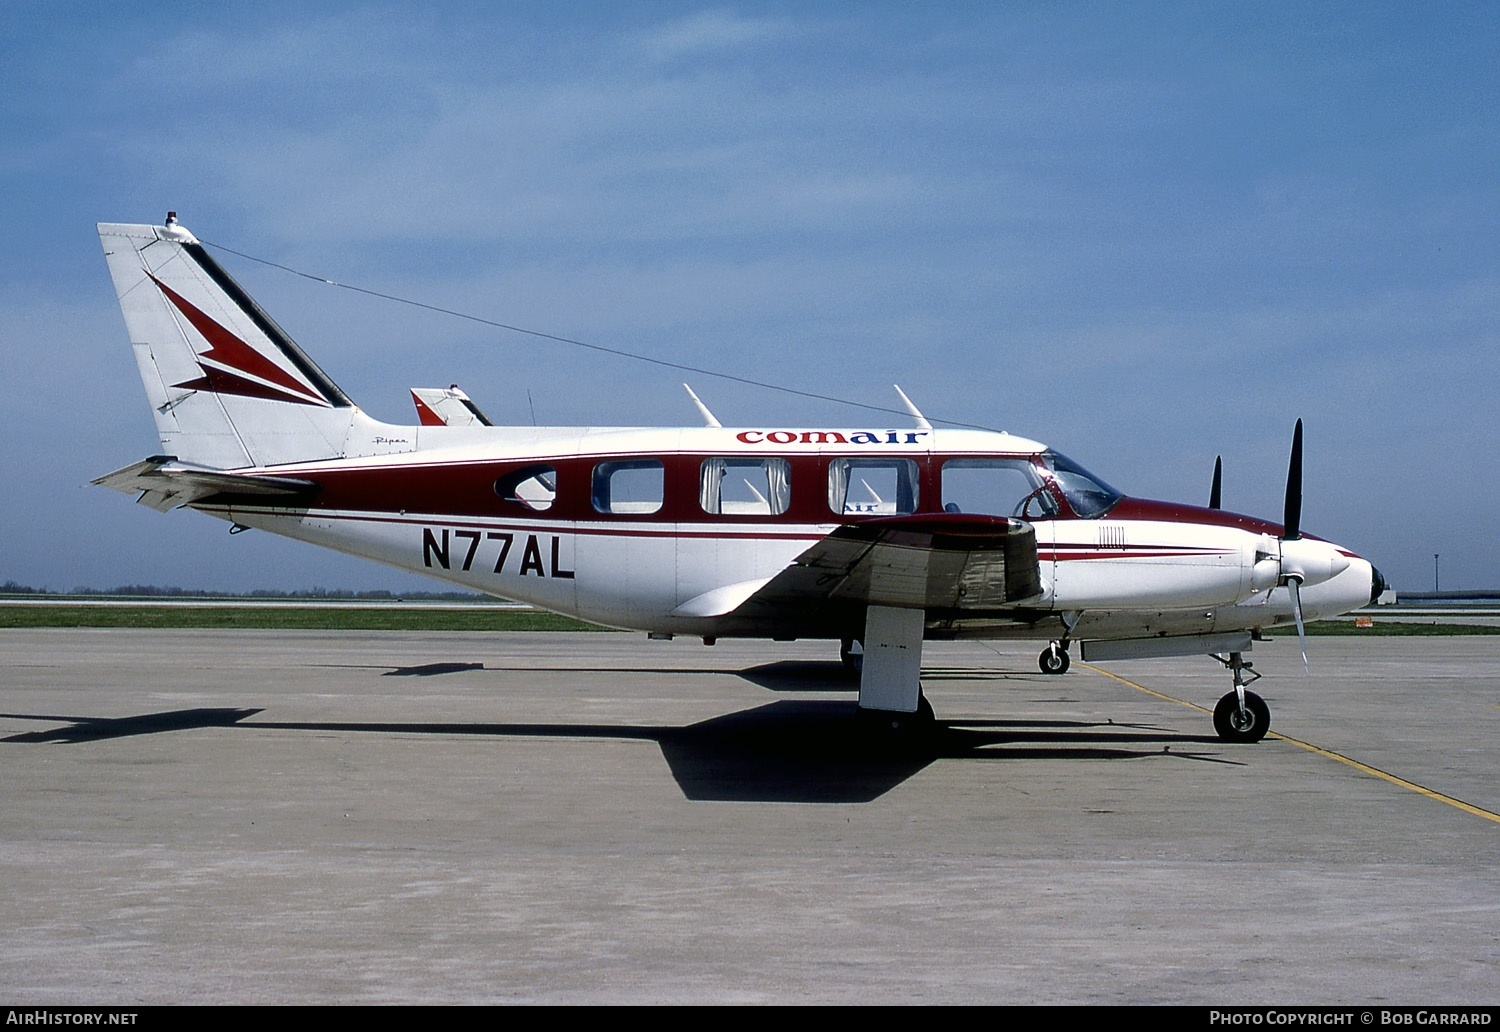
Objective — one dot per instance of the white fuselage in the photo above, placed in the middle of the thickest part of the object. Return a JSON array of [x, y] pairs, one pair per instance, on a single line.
[[650, 554]]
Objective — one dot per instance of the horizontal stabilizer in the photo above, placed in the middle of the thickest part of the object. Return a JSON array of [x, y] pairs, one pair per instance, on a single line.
[[446, 406], [165, 483]]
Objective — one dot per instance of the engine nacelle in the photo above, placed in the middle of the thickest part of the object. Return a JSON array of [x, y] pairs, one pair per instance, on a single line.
[[1311, 562]]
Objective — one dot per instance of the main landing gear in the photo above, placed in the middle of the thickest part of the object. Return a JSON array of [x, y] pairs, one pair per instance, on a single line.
[[892, 706], [1241, 716], [890, 727]]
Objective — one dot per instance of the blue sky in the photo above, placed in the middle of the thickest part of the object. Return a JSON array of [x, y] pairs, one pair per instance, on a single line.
[[1145, 234]]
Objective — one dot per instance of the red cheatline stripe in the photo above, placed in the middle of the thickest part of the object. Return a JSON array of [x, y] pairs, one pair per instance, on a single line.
[[559, 527], [1064, 557]]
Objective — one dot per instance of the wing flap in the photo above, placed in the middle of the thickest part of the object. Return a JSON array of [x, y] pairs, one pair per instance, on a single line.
[[939, 561]]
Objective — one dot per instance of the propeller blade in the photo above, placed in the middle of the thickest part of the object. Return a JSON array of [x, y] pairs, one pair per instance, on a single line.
[[1291, 573], [1294, 585], [1213, 492], [1292, 516]]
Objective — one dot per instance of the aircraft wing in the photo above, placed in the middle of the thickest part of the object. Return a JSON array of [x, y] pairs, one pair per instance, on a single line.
[[946, 561], [165, 483]]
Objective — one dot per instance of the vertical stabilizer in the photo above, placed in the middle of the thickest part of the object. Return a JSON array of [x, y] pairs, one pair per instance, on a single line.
[[227, 386]]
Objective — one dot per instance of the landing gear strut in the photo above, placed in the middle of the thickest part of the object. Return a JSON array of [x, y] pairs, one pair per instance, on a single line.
[[1054, 659], [852, 655], [1241, 716], [891, 702]]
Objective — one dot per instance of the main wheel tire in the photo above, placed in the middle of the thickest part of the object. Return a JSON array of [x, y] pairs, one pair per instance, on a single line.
[[900, 731], [1054, 660], [1233, 725], [926, 718]]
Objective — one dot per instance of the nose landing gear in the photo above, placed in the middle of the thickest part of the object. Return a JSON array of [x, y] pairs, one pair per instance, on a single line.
[[1247, 723], [1241, 716], [1054, 659]]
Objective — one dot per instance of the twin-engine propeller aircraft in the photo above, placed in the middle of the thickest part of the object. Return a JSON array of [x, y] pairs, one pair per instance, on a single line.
[[870, 536]]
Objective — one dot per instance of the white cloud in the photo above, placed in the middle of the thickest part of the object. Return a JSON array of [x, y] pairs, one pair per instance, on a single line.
[[711, 33]]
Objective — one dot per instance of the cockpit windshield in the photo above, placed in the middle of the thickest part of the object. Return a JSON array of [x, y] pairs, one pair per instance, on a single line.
[[1086, 494]]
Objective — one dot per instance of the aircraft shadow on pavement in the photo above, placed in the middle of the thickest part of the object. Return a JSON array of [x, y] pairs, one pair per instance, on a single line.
[[813, 675], [800, 675], [93, 729], [790, 750], [815, 751], [432, 669]]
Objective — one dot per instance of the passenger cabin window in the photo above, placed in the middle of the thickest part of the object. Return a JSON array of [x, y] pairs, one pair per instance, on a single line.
[[632, 486], [996, 487], [535, 487], [745, 487], [872, 487]]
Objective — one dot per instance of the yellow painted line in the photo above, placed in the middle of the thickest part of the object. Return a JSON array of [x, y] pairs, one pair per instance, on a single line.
[[1459, 804]]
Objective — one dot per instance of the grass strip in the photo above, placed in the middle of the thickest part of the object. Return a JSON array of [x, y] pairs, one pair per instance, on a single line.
[[1388, 629]]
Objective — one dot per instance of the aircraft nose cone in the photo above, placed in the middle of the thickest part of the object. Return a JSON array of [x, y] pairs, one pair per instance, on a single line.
[[1377, 585]]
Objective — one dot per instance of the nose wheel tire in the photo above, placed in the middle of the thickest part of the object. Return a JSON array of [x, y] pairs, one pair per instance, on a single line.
[[1247, 725], [1053, 660]]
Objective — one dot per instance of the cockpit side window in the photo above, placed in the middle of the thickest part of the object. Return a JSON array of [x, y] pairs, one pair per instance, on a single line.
[[1086, 494], [997, 487]]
